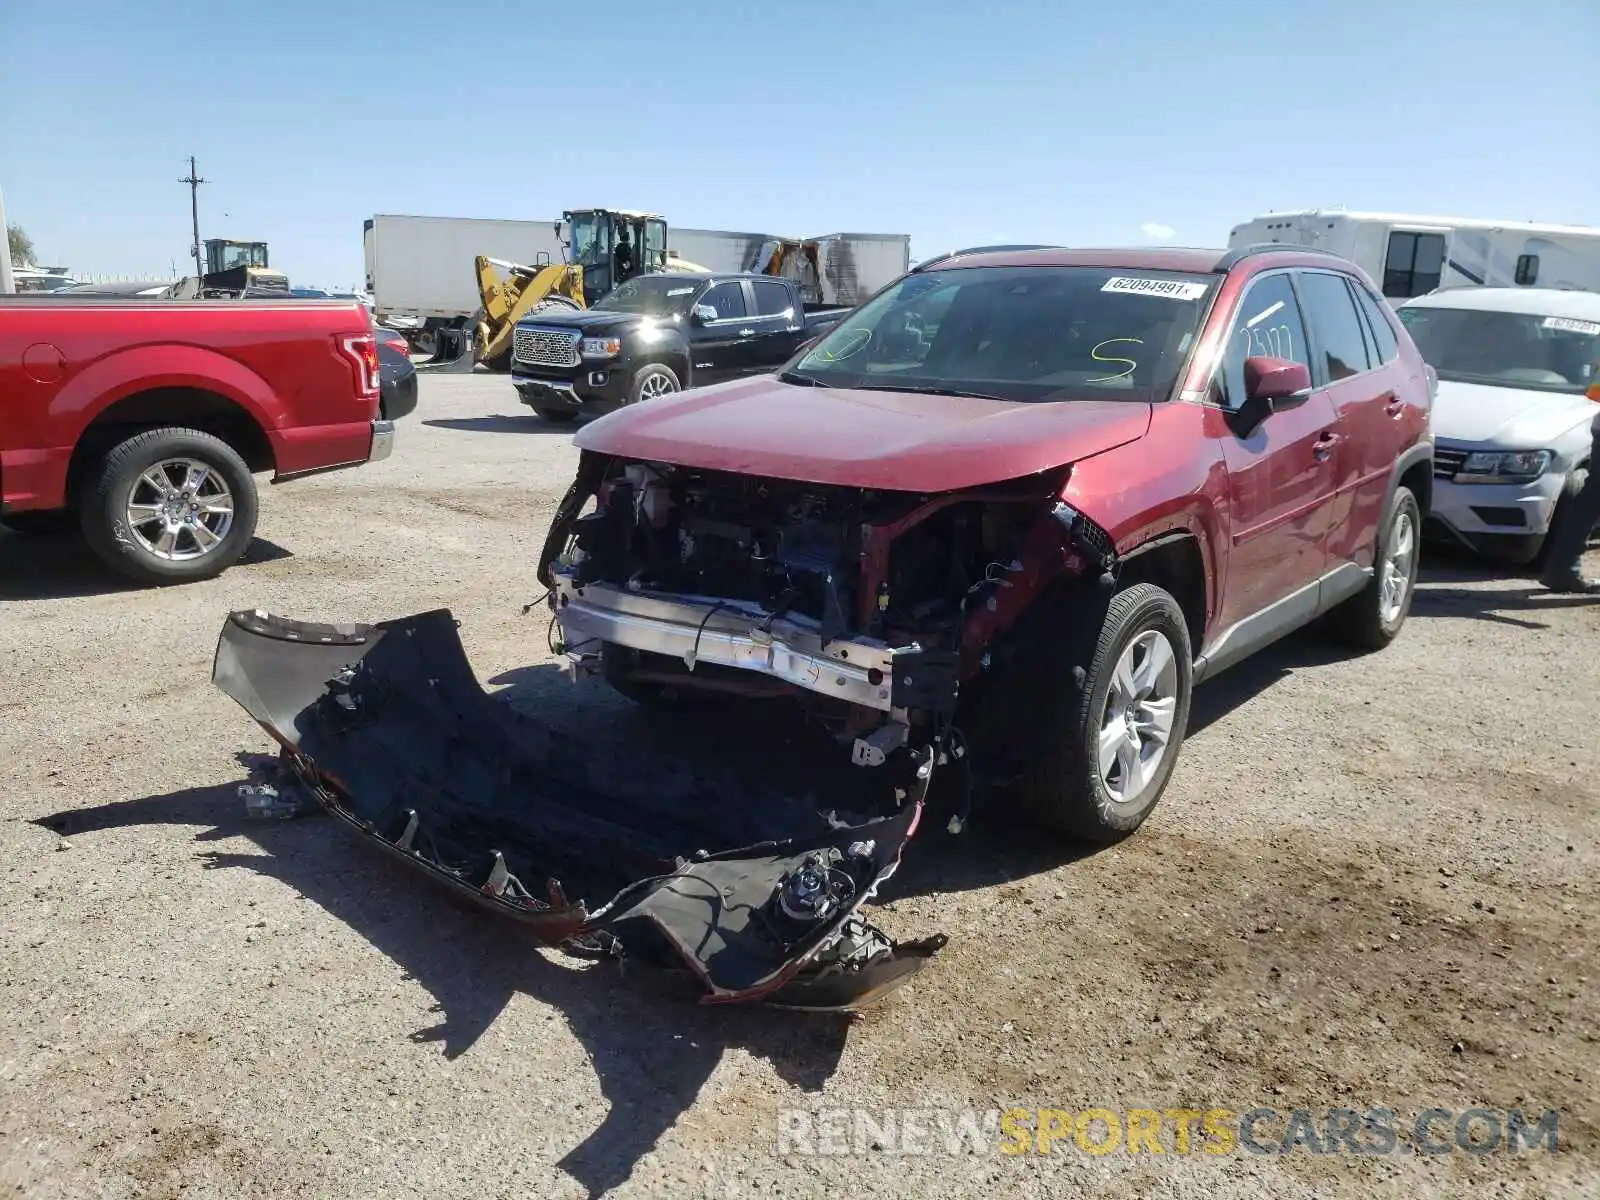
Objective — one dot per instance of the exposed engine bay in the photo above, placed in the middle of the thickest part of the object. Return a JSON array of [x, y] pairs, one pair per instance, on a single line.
[[872, 607]]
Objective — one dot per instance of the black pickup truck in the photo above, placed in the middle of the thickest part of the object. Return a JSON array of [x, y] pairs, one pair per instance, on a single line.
[[660, 333]]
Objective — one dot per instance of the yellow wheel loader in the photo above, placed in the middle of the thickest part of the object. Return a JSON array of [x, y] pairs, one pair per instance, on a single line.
[[604, 247]]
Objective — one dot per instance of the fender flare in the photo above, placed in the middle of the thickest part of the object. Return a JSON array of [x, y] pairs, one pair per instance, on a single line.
[[1419, 452], [90, 392]]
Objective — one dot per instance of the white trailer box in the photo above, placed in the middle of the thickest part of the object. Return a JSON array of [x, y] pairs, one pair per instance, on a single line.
[[856, 265], [719, 250], [420, 268], [1408, 255], [852, 265]]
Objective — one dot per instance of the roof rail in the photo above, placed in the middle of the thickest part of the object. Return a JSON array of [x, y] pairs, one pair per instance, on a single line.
[[998, 249], [1234, 257]]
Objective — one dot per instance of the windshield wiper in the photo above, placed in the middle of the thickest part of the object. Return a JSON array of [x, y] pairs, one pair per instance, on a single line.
[[925, 390], [802, 380]]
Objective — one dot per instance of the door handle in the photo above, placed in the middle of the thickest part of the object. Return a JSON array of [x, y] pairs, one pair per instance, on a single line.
[[747, 333], [1323, 446], [1393, 405]]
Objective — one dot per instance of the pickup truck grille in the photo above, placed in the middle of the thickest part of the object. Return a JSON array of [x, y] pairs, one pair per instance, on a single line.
[[546, 347], [1447, 462]]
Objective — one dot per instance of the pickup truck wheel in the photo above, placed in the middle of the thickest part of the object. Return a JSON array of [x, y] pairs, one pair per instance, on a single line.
[[652, 382], [1372, 618], [1118, 721], [170, 506], [51, 522]]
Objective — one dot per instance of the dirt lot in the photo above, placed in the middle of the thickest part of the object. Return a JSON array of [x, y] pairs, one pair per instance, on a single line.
[[1372, 883]]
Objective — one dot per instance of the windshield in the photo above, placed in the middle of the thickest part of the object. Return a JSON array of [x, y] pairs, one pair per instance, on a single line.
[[591, 240], [1501, 349], [1028, 334], [653, 295]]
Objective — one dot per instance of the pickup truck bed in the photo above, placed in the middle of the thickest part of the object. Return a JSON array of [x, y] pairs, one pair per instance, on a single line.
[[143, 422]]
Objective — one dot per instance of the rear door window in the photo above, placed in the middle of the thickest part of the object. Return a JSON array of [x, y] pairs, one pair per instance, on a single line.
[[1340, 347], [773, 299]]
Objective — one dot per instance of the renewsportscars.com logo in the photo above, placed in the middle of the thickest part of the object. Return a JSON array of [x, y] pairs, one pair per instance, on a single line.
[[1181, 1131]]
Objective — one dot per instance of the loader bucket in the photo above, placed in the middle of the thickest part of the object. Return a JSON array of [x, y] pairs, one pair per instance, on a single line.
[[454, 354], [388, 728]]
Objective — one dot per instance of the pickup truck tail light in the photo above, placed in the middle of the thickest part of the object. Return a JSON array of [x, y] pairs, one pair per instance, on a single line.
[[362, 351]]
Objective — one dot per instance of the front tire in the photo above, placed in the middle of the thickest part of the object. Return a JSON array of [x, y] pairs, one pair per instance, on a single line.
[[1372, 618], [170, 505], [1121, 710], [653, 382]]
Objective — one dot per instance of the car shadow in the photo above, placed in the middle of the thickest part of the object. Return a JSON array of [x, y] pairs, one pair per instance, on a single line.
[[64, 568], [1443, 592], [652, 1048], [500, 424]]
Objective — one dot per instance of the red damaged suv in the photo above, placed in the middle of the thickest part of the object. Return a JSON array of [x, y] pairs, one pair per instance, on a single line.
[[1011, 509]]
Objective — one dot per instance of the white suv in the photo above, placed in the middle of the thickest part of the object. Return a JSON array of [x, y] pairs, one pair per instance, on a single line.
[[1519, 378]]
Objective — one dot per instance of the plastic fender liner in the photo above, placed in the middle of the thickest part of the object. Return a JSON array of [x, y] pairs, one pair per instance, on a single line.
[[388, 726]]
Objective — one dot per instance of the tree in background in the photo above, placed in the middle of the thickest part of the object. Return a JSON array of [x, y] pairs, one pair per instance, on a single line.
[[21, 246]]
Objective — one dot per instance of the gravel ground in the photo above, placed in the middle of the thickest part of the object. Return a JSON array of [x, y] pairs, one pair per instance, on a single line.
[[1373, 882]]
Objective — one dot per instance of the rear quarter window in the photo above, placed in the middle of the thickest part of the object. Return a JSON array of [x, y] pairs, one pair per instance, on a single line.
[[1382, 331]]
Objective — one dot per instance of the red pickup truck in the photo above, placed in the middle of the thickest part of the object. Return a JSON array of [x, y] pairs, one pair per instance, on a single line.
[[144, 422]]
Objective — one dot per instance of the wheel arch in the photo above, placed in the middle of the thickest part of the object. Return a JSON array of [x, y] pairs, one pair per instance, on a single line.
[[1174, 562], [176, 406], [1414, 470]]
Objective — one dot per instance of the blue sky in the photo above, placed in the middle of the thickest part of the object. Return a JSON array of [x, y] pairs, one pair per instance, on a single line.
[[957, 123]]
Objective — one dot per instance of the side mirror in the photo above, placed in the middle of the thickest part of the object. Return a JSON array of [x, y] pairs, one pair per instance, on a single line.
[[1276, 382], [704, 314], [1270, 385]]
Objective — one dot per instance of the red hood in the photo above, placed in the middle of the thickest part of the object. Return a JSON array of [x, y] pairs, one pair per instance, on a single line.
[[890, 440]]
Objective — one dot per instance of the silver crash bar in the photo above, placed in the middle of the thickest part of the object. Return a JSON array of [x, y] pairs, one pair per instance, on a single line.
[[696, 631]]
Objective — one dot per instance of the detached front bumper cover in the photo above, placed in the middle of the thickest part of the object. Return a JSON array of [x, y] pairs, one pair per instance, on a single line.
[[388, 727]]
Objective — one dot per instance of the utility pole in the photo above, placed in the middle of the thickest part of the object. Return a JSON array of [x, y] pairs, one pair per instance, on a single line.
[[194, 181]]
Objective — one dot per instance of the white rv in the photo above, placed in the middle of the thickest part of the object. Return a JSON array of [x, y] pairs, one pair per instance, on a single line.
[[1409, 255]]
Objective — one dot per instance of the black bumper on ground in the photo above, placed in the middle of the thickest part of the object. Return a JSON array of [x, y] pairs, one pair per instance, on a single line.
[[388, 728]]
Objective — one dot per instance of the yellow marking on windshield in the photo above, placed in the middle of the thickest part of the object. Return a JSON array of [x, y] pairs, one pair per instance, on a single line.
[[1098, 357]]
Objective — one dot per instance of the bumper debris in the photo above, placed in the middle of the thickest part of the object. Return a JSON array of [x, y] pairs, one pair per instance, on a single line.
[[388, 729]]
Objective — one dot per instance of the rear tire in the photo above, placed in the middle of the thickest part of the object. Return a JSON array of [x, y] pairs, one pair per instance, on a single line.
[[1372, 618], [51, 522], [1117, 724], [151, 470]]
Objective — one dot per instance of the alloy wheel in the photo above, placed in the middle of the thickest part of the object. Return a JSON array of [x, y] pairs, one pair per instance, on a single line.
[[1136, 724]]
